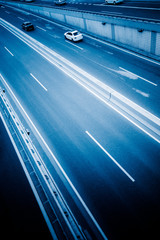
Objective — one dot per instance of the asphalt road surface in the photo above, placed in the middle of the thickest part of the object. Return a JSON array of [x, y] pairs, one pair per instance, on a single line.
[[145, 10], [113, 164]]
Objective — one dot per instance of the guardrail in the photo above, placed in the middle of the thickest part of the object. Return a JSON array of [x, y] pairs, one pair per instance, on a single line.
[[59, 218]]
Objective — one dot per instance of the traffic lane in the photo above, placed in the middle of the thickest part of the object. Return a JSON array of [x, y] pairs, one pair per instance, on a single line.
[[70, 156], [138, 84], [145, 4], [139, 88], [121, 10]]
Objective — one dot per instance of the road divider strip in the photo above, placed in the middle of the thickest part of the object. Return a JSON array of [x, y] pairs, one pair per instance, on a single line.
[[140, 117]]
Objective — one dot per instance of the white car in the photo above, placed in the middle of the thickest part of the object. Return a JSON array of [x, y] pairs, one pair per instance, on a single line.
[[113, 1], [74, 36]]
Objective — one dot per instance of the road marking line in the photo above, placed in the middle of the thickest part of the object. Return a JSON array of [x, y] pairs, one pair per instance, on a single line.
[[56, 160], [111, 53], [123, 170], [108, 12], [119, 6], [9, 51], [21, 18], [73, 44], [39, 82], [139, 76], [41, 28]]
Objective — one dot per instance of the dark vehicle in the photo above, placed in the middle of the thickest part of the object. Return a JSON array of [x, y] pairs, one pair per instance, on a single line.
[[28, 26], [60, 2]]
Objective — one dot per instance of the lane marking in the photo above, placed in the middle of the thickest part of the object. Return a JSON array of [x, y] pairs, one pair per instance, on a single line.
[[142, 93], [123, 170], [122, 49], [73, 44], [108, 12], [9, 51], [144, 79], [111, 53], [124, 6], [39, 82], [21, 18], [41, 28], [56, 161]]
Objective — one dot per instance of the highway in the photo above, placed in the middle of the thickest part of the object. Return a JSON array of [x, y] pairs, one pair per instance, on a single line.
[[113, 164]]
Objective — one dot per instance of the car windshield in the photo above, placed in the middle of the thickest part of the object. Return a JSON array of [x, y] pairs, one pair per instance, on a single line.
[[76, 33]]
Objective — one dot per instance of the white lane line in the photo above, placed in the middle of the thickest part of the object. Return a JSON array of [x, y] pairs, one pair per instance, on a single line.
[[21, 18], [127, 174], [9, 51], [139, 76], [55, 159], [73, 44], [41, 28], [111, 53], [108, 12], [38, 82]]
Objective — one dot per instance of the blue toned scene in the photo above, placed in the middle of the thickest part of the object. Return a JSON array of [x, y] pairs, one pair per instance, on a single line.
[[80, 119]]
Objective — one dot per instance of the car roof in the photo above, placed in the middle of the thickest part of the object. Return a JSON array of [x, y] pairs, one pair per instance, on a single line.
[[74, 31], [27, 23]]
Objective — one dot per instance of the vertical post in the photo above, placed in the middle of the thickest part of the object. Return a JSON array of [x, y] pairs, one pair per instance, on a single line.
[[113, 31], [153, 42]]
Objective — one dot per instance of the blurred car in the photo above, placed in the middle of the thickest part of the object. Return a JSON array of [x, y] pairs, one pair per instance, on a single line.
[[113, 1], [74, 36], [28, 26], [60, 2]]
